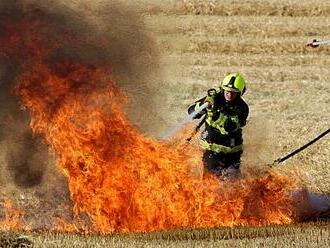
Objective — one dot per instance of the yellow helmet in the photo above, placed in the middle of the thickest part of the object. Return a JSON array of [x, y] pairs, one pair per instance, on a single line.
[[234, 82]]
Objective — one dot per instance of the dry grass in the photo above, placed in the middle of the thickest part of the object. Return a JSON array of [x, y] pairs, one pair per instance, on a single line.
[[314, 234], [294, 8]]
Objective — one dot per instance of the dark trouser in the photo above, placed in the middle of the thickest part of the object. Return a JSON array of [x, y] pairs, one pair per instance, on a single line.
[[217, 163]]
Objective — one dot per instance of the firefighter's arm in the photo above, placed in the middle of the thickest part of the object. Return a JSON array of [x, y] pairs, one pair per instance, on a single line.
[[233, 123], [209, 99], [242, 115]]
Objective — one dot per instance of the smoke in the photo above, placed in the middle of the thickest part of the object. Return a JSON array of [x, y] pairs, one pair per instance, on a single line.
[[260, 146]]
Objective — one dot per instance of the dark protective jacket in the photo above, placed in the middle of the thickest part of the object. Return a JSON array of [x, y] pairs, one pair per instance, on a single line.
[[224, 122]]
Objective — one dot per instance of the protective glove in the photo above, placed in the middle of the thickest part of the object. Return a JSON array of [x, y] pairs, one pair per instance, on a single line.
[[209, 100], [210, 97], [230, 125]]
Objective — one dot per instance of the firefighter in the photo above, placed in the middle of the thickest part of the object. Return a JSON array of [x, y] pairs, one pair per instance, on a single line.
[[225, 116]]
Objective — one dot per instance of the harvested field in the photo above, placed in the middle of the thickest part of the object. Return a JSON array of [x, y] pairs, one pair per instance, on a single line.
[[189, 47]]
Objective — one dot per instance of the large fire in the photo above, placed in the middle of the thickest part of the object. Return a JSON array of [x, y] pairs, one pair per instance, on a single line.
[[119, 178]]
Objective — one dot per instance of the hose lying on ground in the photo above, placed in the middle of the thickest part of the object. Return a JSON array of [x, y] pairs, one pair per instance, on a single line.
[[280, 160]]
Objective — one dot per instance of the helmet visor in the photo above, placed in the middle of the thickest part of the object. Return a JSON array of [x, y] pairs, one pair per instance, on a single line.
[[232, 89]]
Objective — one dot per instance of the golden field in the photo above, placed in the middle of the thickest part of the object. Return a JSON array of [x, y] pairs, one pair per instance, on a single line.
[[194, 45]]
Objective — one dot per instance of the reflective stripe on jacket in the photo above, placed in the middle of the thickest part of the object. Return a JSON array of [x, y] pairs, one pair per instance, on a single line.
[[220, 148], [220, 121], [223, 123]]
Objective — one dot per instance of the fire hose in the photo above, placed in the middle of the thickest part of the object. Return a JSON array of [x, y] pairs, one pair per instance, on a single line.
[[282, 159], [186, 120], [200, 109], [200, 124], [316, 43], [277, 161]]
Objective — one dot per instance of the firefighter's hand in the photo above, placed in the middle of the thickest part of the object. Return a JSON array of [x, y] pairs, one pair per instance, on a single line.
[[210, 101], [230, 125], [210, 97]]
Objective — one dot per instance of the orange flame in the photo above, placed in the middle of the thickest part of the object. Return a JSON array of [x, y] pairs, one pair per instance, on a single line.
[[12, 219], [128, 182], [123, 180]]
